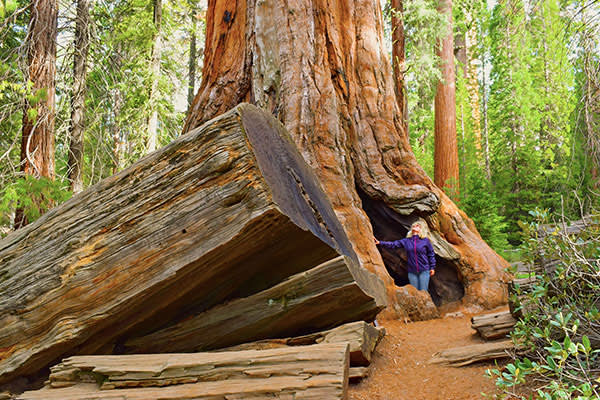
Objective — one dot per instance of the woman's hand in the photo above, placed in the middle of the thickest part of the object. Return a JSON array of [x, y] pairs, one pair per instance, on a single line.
[[376, 241], [431, 272]]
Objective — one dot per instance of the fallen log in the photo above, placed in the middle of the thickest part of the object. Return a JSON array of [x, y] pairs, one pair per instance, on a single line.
[[465, 355], [324, 297], [360, 336], [493, 326], [223, 212], [311, 372]]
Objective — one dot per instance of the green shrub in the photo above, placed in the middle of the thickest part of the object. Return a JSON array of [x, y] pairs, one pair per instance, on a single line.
[[559, 332], [35, 196]]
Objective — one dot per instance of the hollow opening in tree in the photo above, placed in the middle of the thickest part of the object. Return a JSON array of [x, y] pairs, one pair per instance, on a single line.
[[445, 287]]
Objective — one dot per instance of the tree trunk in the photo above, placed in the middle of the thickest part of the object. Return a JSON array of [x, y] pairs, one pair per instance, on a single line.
[[320, 66], [484, 107], [117, 134], [37, 141], [399, 60], [155, 72], [192, 59], [446, 174], [75, 163], [473, 82], [223, 213]]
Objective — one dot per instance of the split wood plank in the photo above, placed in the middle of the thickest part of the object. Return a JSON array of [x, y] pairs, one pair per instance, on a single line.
[[324, 297], [466, 355], [357, 374], [287, 388], [303, 371], [494, 325], [361, 336]]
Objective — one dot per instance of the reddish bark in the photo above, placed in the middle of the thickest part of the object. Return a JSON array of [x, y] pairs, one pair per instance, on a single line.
[[320, 66], [399, 58], [446, 151], [37, 141]]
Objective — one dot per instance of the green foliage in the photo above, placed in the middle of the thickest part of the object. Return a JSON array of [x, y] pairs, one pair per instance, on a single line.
[[34, 196], [482, 206], [559, 331], [530, 106]]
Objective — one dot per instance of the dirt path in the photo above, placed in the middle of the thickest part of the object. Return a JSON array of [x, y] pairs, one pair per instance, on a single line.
[[400, 370]]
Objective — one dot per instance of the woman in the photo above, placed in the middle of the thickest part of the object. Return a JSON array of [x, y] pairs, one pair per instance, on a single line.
[[419, 256]]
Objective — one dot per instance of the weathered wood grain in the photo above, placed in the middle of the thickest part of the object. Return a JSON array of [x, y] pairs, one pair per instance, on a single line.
[[223, 212], [361, 337], [466, 355], [494, 325], [303, 372], [357, 374], [321, 298]]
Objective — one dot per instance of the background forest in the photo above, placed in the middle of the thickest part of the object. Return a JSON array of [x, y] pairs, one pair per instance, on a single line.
[[527, 99]]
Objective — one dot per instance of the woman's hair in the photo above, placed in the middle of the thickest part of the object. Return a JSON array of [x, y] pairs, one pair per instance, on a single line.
[[422, 234]]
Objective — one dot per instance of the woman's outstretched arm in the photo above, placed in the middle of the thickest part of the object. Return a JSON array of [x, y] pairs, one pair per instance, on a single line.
[[395, 244]]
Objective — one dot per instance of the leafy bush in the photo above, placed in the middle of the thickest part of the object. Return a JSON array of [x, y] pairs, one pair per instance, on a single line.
[[558, 335], [34, 196], [483, 206]]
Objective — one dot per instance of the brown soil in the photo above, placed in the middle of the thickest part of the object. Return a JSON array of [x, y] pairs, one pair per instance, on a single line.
[[400, 368]]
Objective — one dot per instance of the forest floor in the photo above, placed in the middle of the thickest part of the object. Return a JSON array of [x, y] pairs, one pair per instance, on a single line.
[[400, 368]]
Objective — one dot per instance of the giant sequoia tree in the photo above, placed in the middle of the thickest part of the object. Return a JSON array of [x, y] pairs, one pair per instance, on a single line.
[[321, 68]]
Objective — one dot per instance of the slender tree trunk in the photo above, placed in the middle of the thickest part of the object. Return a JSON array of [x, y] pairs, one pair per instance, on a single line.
[[37, 141], [446, 174], [156, 55], [117, 134], [320, 66], [486, 141], [399, 59], [82, 42], [460, 52], [473, 83], [192, 60]]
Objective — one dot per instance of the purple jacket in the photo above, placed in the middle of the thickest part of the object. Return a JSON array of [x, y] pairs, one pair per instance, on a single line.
[[419, 253]]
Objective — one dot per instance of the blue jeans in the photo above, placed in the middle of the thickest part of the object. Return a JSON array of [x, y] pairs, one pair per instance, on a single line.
[[420, 281]]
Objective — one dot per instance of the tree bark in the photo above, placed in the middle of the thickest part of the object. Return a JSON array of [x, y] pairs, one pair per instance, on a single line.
[[399, 59], [37, 141], [155, 72], [446, 172], [184, 229], [320, 66], [82, 41]]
